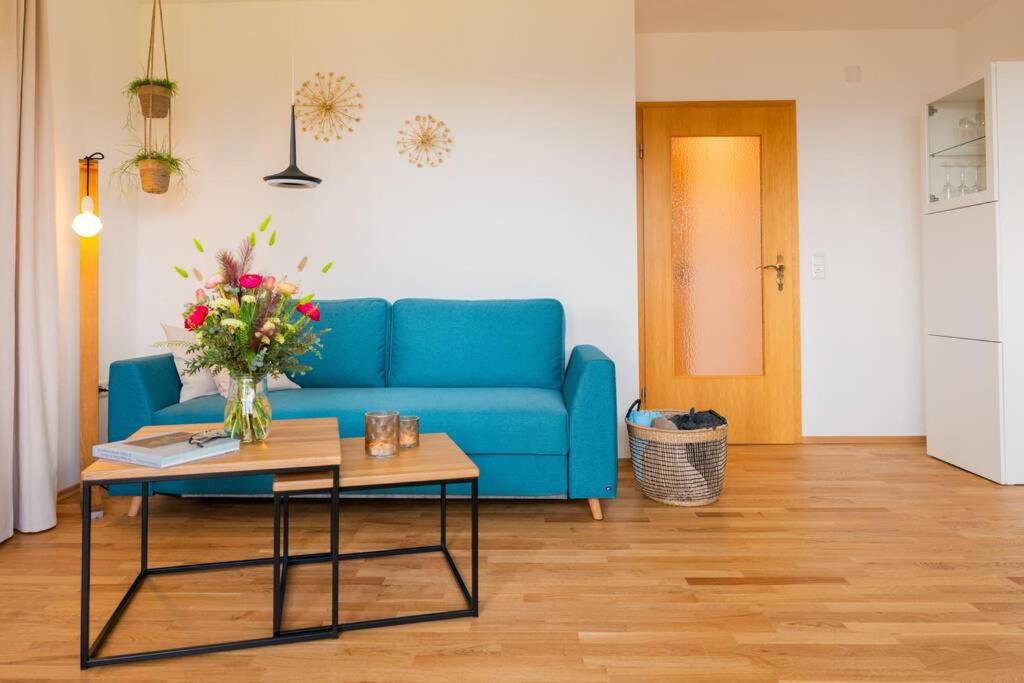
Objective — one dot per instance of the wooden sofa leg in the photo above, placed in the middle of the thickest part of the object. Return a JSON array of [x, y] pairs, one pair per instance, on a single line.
[[595, 508], [135, 506]]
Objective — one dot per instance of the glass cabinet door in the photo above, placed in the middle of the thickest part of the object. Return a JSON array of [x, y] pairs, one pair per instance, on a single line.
[[958, 139]]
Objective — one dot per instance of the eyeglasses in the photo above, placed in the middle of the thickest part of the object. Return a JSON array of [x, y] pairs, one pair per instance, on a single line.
[[200, 439]]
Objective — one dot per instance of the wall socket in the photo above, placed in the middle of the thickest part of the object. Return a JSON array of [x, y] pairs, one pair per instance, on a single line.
[[817, 266]]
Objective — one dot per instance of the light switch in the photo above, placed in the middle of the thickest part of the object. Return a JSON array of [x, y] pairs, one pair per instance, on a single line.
[[817, 266]]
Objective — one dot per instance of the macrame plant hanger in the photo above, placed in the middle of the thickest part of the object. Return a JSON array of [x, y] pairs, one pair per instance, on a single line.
[[149, 144]]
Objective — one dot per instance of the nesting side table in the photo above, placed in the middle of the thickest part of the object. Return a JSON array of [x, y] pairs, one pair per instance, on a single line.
[[302, 447], [437, 461]]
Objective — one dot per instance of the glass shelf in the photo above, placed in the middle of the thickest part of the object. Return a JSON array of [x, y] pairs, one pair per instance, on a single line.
[[971, 148]]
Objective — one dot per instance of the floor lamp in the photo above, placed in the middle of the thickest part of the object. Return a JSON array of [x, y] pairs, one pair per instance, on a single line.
[[87, 226]]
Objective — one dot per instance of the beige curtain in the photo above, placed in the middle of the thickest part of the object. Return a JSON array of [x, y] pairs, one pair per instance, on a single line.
[[29, 324]]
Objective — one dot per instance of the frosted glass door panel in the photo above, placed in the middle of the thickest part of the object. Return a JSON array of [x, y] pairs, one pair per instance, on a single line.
[[716, 253]]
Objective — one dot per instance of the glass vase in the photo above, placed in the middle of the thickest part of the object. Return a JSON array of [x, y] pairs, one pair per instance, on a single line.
[[247, 414]]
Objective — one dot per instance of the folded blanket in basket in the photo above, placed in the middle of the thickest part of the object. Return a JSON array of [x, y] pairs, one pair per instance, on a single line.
[[643, 418]]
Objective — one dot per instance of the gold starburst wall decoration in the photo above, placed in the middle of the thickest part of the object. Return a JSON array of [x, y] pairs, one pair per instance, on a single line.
[[327, 106], [425, 141]]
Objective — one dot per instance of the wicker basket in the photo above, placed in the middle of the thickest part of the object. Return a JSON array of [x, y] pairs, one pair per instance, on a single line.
[[154, 100], [678, 467], [155, 175]]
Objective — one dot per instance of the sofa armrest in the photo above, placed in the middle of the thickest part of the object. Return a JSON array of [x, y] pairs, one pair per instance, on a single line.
[[589, 394], [138, 388]]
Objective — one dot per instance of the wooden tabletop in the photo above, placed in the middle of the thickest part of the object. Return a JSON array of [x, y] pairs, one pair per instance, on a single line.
[[437, 458], [292, 444]]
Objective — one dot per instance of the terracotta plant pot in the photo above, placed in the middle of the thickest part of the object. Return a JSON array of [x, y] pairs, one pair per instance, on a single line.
[[155, 176], [154, 100]]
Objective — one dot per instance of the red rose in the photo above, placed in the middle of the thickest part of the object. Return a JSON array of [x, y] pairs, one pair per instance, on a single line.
[[309, 310], [250, 280], [196, 318]]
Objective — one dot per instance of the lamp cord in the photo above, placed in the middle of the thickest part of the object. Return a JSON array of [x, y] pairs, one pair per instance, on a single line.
[[95, 156]]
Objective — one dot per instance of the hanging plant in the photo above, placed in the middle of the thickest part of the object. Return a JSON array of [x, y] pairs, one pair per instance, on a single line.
[[153, 96], [154, 163], [154, 169]]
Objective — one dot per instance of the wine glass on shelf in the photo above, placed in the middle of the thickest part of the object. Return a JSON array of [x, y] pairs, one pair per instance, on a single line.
[[979, 124], [967, 130], [973, 187], [962, 189], [948, 190]]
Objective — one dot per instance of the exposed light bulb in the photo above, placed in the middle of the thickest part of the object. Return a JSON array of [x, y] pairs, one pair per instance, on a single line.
[[87, 223]]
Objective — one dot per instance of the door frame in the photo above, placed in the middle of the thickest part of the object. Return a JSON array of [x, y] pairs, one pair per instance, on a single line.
[[797, 339]]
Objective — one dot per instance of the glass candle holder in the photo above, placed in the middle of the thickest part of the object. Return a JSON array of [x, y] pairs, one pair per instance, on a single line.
[[381, 429], [408, 431]]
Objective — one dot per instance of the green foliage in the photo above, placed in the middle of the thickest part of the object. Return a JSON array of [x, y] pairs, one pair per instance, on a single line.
[[133, 87], [264, 224], [181, 271], [199, 245], [273, 238], [327, 267]]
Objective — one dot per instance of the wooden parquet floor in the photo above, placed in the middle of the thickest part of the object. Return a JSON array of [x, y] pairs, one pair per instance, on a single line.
[[819, 563]]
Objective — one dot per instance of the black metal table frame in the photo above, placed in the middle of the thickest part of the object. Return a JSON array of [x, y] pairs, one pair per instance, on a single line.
[[88, 656], [282, 560]]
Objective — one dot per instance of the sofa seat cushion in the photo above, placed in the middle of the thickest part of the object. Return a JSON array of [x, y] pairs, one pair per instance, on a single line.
[[481, 420]]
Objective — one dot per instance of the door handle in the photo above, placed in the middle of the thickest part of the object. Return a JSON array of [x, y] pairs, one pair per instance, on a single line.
[[780, 271]]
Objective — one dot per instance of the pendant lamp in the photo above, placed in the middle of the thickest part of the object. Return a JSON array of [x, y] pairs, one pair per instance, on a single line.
[[292, 177]]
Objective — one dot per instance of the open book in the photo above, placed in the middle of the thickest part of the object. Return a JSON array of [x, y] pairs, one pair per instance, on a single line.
[[167, 450]]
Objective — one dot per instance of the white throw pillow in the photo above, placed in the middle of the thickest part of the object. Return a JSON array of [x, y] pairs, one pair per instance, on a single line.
[[192, 386], [274, 383]]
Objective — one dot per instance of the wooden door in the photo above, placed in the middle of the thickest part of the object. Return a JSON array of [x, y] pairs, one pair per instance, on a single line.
[[719, 322]]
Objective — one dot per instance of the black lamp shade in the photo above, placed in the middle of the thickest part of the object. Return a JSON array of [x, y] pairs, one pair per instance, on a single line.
[[292, 177]]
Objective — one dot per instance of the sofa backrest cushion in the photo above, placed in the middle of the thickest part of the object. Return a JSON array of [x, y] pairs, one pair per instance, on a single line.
[[502, 343], [355, 350]]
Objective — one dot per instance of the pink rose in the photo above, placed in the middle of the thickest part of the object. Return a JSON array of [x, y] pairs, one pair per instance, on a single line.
[[250, 280], [309, 310], [269, 282], [214, 281], [195, 319]]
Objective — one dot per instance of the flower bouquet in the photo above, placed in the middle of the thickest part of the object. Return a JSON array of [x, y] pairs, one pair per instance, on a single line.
[[251, 325]]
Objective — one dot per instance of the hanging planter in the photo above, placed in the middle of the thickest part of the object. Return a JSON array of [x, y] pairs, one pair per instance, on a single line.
[[155, 175], [153, 95], [155, 169], [155, 162]]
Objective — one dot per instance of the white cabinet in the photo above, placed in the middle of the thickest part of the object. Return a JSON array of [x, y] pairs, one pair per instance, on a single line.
[[963, 384], [961, 266], [973, 265]]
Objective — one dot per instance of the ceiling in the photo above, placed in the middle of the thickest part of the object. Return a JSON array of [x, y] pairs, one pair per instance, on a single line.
[[682, 16]]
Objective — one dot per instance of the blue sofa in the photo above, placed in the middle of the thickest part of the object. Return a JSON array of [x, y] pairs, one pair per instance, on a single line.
[[492, 374]]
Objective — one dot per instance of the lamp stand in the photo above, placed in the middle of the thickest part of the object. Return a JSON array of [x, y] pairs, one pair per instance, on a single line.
[[88, 328]]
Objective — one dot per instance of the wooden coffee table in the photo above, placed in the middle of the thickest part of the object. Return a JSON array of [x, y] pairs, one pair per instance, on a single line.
[[295, 446], [437, 461]]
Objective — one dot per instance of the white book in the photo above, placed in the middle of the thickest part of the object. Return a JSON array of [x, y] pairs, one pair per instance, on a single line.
[[165, 450]]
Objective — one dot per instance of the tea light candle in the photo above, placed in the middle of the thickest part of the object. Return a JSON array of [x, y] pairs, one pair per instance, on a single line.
[[408, 431], [381, 429]]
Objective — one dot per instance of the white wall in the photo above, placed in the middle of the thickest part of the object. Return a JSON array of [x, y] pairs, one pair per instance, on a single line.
[[859, 174], [996, 33], [537, 199]]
